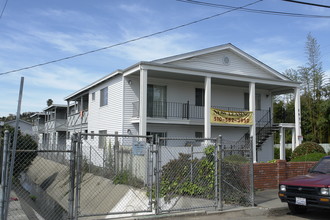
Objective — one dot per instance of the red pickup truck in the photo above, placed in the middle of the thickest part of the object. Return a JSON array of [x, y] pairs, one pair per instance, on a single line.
[[311, 190]]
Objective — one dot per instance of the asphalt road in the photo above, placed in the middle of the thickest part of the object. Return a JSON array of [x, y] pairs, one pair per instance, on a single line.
[[311, 215]]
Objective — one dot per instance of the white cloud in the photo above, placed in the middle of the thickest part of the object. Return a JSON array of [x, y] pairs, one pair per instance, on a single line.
[[315, 25], [154, 47], [134, 8], [277, 40]]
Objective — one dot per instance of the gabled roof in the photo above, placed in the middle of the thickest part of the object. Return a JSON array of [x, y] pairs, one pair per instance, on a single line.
[[228, 46], [20, 121], [55, 106], [86, 88]]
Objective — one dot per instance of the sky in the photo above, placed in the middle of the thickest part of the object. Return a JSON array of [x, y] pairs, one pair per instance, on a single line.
[[41, 31]]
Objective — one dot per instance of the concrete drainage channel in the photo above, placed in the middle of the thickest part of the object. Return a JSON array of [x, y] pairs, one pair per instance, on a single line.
[[37, 199]]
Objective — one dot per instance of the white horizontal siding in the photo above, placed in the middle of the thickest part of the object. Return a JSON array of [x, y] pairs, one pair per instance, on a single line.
[[214, 62], [107, 117], [131, 90]]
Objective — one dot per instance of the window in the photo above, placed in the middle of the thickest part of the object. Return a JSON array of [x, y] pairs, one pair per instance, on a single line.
[[199, 134], [104, 96], [93, 96], [102, 139], [156, 134], [156, 101], [199, 97], [246, 101], [68, 135]]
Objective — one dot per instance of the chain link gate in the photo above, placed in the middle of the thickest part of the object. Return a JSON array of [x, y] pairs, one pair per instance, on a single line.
[[114, 175], [236, 173], [186, 174]]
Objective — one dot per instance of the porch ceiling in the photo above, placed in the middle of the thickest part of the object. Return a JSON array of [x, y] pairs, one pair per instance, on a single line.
[[276, 89]]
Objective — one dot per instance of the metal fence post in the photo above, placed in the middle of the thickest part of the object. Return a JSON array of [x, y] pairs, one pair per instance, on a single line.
[[78, 175], [251, 174], [4, 201], [216, 172], [116, 154], [221, 173], [72, 177], [157, 176]]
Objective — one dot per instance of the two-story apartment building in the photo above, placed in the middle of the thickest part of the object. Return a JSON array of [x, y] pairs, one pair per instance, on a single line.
[[55, 127], [173, 97]]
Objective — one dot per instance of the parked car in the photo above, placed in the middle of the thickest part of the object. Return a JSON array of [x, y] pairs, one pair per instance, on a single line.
[[311, 190]]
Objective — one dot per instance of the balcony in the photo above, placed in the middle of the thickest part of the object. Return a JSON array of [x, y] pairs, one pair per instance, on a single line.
[[77, 119], [176, 110]]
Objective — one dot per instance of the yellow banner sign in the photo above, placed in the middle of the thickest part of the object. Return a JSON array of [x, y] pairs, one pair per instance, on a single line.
[[231, 117]]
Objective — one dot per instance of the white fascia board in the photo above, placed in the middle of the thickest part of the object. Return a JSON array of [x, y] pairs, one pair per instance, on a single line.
[[258, 62], [192, 54], [132, 69], [228, 46], [54, 106], [219, 75], [85, 89]]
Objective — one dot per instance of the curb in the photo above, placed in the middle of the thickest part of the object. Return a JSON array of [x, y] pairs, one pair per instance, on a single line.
[[232, 213]]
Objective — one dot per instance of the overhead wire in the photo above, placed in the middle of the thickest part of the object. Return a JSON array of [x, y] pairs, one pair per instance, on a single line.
[[279, 13], [307, 3], [3, 9], [132, 40]]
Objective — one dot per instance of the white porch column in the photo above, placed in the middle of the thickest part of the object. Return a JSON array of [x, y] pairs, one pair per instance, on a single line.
[[282, 143], [297, 116], [293, 144], [143, 101], [252, 108], [207, 108]]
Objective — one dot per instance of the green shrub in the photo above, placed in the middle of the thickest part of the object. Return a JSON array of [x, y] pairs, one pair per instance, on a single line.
[[307, 148], [236, 159], [309, 157], [177, 178], [25, 142], [127, 178], [288, 153]]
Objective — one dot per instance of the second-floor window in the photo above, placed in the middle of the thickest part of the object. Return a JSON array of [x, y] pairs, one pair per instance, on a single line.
[[199, 97], [247, 104], [104, 96], [93, 96]]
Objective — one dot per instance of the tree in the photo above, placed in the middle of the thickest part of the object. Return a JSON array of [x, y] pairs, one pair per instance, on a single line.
[[315, 119], [23, 159], [49, 102]]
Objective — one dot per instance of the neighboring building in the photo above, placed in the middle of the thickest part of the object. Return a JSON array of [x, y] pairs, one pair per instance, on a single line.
[[38, 128], [23, 126], [55, 127], [173, 97]]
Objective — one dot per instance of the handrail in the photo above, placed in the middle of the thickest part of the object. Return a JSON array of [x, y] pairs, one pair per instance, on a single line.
[[186, 110]]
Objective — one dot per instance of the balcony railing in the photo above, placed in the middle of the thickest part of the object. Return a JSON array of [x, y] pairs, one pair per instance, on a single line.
[[175, 110], [77, 119]]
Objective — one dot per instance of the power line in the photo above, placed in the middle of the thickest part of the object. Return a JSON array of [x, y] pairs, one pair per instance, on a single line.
[[307, 3], [3, 9], [279, 13], [129, 41]]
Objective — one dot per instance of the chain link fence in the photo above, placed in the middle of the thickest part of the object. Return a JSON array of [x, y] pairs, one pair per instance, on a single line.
[[112, 175], [236, 173], [29, 189], [187, 174]]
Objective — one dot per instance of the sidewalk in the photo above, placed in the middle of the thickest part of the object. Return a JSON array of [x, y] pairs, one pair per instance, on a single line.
[[267, 204]]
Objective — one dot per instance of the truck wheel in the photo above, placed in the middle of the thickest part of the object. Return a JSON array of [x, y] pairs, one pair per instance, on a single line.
[[297, 209]]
